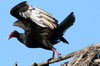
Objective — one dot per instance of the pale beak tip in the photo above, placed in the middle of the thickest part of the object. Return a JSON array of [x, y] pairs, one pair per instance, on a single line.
[[8, 38]]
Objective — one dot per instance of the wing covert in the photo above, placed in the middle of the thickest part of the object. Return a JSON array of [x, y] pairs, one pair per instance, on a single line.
[[40, 17]]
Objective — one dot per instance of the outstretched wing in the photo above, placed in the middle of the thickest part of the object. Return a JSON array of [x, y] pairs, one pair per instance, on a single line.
[[22, 24], [34, 14], [39, 17]]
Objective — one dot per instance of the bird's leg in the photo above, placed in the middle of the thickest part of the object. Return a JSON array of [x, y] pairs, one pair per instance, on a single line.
[[54, 51], [52, 56], [48, 44]]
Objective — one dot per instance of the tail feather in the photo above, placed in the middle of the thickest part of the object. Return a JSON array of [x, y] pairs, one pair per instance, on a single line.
[[63, 26], [66, 23], [64, 40]]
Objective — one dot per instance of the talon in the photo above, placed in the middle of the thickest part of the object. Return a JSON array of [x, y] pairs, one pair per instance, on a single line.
[[50, 59], [60, 58]]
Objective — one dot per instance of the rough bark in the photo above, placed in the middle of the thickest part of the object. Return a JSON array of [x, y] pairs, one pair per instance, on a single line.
[[89, 56]]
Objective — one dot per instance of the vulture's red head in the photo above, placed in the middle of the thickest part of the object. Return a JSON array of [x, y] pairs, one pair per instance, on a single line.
[[13, 34]]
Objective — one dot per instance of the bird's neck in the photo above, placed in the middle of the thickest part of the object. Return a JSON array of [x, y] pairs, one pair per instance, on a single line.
[[22, 38]]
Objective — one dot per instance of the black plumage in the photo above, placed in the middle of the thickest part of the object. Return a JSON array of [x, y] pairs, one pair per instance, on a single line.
[[41, 28]]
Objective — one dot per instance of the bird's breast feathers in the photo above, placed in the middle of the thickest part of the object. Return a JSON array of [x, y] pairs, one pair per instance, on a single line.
[[40, 17]]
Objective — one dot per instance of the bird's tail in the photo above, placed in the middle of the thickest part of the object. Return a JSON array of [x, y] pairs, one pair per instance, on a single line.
[[66, 23], [63, 26]]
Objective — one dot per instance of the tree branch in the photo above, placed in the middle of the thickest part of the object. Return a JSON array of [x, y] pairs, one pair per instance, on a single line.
[[89, 56], [55, 59]]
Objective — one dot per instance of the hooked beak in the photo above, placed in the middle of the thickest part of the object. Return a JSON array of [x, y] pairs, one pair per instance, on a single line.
[[8, 37]]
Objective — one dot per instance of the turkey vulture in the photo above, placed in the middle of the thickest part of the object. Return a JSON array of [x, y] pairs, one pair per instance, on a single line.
[[41, 28]]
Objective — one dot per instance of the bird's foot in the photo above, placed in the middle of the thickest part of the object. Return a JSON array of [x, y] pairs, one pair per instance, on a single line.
[[50, 59], [59, 57]]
